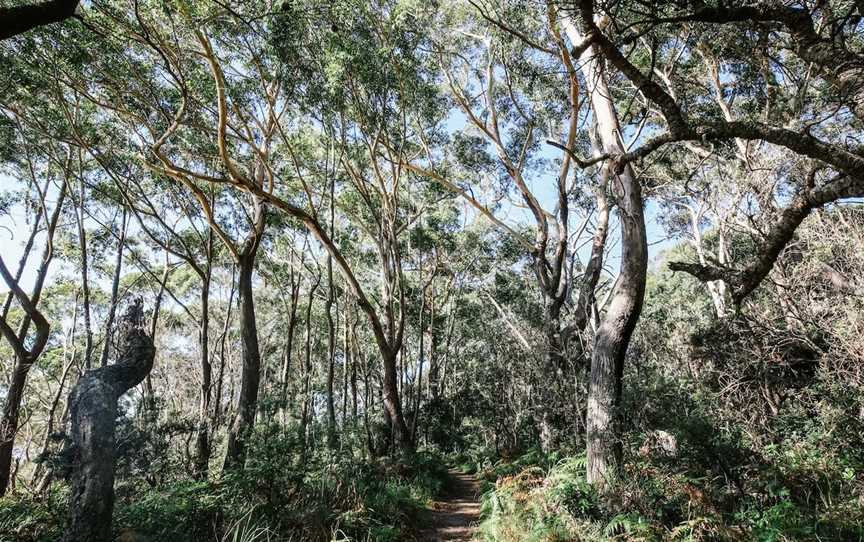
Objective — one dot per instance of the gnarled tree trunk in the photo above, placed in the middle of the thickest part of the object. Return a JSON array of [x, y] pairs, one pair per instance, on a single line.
[[93, 411]]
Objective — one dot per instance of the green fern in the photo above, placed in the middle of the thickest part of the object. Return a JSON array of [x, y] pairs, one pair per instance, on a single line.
[[629, 524]]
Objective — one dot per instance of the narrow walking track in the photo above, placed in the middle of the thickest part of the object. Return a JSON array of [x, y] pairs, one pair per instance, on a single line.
[[456, 515]]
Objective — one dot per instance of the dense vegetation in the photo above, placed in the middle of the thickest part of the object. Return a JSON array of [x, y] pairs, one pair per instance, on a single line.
[[272, 267]]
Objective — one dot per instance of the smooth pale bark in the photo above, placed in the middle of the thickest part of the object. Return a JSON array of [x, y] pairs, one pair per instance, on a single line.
[[742, 282], [393, 327], [85, 281], [716, 289], [217, 401], [93, 409], [617, 324], [157, 305]]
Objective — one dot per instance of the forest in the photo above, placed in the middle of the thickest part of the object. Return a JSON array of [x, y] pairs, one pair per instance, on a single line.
[[431, 270]]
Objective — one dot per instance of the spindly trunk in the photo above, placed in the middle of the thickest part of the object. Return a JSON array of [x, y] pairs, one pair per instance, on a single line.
[[85, 281], [289, 342], [202, 438], [115, 286], [93, 411], [25, 358], [331, 357], [307, 365]]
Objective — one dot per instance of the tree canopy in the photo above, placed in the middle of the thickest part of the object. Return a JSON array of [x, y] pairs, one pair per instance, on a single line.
[[270, 267]]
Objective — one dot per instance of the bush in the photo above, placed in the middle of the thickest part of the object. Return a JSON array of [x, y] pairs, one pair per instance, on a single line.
[[280, 495]]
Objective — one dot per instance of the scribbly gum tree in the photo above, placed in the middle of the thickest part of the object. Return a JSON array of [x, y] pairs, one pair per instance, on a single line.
[[607, 255], [658, 79], [519, 130]]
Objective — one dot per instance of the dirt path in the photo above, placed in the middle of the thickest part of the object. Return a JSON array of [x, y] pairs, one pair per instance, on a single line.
[[455, 516]]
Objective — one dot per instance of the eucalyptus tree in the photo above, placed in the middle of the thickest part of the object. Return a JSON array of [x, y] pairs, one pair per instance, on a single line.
[[129, 118], [514, 108], [619, 321], [177, 226], [674, 117], [167, 77], [366, 75], [35, 161]]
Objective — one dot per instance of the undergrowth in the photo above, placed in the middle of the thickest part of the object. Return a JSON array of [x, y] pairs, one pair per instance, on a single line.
[[544, 498], [279, 496]]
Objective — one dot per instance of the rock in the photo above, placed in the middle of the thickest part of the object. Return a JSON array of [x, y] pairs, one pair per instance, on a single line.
[[661, 443]]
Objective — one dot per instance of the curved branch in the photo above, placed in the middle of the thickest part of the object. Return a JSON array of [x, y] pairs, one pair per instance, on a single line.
[[20, 19]]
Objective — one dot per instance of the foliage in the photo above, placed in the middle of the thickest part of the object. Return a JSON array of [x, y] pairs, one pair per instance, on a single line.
[[276, 498]]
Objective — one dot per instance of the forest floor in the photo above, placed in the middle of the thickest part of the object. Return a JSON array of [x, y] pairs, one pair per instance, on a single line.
[[455, 516]]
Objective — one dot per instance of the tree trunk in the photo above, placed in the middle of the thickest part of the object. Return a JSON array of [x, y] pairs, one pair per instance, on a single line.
[[331, 357], [355, 355], [370, 442], [85, 281], [24, 358], [202, 439], [150, 400], [551, 409], [217, 403], [289, 341], [616, 326], [250, 376], [392, 405], [307, 366], [115, 286], [93, 408], [346, 363], [69, 344]]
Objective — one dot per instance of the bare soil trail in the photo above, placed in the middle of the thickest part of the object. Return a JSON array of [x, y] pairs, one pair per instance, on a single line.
[[455, 516]]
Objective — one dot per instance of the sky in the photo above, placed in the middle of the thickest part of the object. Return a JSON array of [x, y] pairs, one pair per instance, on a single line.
[[15, 229]]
